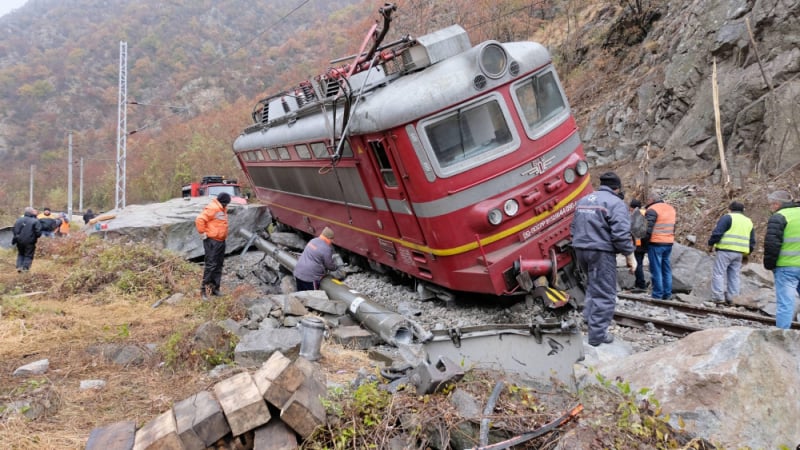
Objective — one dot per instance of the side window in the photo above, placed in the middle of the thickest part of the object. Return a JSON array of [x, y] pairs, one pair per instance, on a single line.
[[283, 152], [384, 165], [302, 151], [273, 154], [320, 150], [347, 152]]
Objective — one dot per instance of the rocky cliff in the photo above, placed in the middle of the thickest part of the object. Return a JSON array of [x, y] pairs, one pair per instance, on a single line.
[[660, 91]]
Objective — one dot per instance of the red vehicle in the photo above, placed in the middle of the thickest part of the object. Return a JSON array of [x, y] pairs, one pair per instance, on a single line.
[[213, 185], [455, 164]]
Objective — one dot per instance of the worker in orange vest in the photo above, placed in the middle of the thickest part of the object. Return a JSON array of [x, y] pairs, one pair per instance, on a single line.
[[63, 229], [660, 237]]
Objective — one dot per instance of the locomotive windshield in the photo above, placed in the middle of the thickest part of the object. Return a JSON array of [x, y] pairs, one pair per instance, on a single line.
[[464, 137], [231, 189], [539, 100]]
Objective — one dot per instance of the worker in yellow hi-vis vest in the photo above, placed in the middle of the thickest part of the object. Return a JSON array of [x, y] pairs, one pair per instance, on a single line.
[[733, 239]]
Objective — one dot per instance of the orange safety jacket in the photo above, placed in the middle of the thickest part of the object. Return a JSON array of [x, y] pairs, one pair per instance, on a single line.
[[64, 229], [664, 228], [213, 221]]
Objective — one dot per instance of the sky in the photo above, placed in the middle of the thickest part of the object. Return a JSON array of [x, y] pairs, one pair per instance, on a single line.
[[7, 5]]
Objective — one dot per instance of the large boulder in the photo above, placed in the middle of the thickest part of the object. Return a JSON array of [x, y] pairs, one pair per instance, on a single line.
[[171, 224], [738, 386]]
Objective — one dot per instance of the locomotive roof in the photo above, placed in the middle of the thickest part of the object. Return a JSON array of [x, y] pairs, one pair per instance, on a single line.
[[403, 99]]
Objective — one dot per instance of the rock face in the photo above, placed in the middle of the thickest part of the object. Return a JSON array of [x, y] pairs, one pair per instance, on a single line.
[[667, 99], [738, 386], [171, 224]]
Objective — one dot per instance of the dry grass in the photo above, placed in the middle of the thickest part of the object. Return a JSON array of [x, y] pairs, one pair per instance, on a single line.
[[62, 329]]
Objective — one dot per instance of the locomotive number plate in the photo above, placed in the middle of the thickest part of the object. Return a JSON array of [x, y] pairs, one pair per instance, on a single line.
[[546, 222]]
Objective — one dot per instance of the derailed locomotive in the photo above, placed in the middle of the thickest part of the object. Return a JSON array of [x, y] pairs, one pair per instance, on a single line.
[[457, 165]]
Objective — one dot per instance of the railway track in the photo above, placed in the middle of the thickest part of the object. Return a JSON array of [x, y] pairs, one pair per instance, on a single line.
[[680, 328]]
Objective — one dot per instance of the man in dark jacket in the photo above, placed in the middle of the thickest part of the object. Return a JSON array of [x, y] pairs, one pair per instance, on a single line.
[[27, 230], [601, 229], [88, 216], [733, 238], [315, 262], [782, 254], [49, 222], [639, 235]]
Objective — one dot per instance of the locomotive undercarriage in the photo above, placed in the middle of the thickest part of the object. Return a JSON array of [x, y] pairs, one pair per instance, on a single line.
[[555, 297]]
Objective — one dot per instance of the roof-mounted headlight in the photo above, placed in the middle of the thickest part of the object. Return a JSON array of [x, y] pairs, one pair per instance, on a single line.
[[493, 60]]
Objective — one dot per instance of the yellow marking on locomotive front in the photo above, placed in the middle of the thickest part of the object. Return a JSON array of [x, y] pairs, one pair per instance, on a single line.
[[454, 250]]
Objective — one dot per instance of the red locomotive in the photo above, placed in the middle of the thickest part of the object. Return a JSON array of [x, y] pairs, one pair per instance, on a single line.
[[458, 165]]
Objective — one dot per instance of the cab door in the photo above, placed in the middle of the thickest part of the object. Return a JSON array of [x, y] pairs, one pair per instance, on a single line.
[[391, 175]]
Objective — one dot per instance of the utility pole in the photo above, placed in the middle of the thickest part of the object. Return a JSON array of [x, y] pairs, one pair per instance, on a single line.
[[69, 178], [80, 188], [30, 196], [122, 124]]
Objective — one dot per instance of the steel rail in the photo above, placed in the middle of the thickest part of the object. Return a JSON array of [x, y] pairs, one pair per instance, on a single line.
[[670, 328], [703, 311]]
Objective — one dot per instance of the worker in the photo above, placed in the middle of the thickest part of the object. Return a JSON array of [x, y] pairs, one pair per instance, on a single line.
[[49, 222], [315, 262], [601, 229], [212, 224], [660, 237], [26, 232], [782, 254], [733, 238], [63, 228]]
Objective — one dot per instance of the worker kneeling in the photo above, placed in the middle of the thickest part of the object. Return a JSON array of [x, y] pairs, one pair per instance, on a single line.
[[315, 262]]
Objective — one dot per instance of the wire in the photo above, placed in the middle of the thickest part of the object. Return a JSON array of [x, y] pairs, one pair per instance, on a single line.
[[267, 28]]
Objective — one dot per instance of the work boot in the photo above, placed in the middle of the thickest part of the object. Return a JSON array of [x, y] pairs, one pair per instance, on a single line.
[[607, 340], [203, 293], [216, 293]]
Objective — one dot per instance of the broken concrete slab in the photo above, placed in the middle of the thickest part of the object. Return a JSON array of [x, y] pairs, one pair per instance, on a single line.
[[257, 346], [242, 403], [117, 436], [289, 305], [319, 301], [200, 420], [354, 337], [275, 436], [160, 433], [304, 411]]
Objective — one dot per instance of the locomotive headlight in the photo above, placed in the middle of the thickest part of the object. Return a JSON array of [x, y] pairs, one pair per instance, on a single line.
[[511, 207], [582, 167], [569, 175], [495, 216], [493, 60]]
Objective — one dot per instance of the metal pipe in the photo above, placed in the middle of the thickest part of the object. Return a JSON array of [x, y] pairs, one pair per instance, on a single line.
[[392, 327]]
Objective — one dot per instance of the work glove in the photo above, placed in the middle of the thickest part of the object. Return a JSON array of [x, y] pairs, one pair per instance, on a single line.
[[746, 259], [710, 249], [630, 261], [204, 236], [339, 274]]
